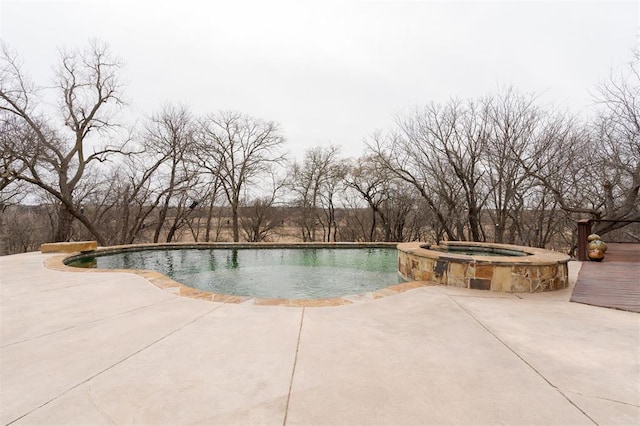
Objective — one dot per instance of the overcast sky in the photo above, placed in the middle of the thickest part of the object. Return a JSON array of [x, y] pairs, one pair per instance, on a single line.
[[333, 72]]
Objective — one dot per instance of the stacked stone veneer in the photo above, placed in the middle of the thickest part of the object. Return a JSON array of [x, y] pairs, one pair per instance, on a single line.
[[540, 270]]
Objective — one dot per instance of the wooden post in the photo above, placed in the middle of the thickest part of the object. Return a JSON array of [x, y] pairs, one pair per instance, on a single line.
[[584, 230]]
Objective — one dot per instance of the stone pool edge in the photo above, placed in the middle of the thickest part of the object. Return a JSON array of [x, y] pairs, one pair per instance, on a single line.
[[56, 262]]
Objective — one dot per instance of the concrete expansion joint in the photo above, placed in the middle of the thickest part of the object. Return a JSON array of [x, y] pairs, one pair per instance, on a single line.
[[488, 330], [615, 401], [293, 370], [137, 308], [99, 409], [475, 296], [50, 290], [131, 355]]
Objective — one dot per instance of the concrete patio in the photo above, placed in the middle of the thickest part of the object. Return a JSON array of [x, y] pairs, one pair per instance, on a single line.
[[109, 348]]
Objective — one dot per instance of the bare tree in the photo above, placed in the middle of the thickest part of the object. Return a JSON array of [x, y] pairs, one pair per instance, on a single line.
[[595, 170], [514, 123], [238, 150], [12, 191], [26, 229], [475, 163], [333, 186], [388, 198], [87, 85], [438, 150], [311, 183], [617, 130], [135, 193], [210, 197], [169, 135], [449, 141], [261, 217], [371, 182]]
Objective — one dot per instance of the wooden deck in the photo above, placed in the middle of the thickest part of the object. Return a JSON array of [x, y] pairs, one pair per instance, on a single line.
[[612, 283]]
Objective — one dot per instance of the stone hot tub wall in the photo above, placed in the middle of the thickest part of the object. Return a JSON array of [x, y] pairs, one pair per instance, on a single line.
[[540, 270]]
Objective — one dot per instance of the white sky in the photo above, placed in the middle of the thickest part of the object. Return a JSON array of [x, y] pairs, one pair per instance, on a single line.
[[333, 72]]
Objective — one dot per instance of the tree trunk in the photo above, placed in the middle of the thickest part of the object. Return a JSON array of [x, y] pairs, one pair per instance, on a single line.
[[4, 247], [474, 223], [124, 224], [234, 222], [172, 232], [63, 228], [162, 216], [373, 224], [207, 235]]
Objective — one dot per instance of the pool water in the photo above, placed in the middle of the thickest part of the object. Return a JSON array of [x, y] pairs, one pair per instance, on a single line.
[[300, 273], [473, 251]]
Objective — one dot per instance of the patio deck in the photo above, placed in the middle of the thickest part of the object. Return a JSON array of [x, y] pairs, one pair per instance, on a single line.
[[84, 348], [612, 283]]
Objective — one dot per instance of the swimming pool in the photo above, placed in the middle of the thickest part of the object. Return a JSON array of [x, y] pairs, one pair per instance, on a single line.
[[285, 272]]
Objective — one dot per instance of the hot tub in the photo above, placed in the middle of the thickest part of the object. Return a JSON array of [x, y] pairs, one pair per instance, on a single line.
[[484, 266]]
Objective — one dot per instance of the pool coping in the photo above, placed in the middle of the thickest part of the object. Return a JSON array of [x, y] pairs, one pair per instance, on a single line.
[[56, 262], [534, 255]]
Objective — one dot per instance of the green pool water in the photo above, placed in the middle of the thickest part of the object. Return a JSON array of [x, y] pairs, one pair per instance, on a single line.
[[292, 273], [477, 251]]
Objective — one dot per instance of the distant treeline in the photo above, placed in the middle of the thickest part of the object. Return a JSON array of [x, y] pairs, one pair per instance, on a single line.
[[501, 168]]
